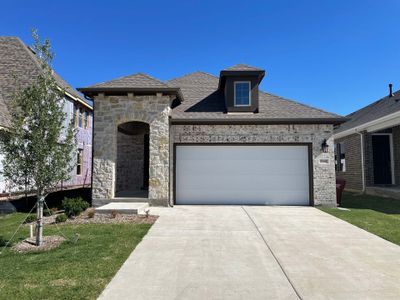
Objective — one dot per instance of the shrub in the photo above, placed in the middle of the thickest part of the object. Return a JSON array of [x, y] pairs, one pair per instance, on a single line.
[[61, 218], [30, 219], [91, 212], [4, 242], [114, 214], [74, 206]]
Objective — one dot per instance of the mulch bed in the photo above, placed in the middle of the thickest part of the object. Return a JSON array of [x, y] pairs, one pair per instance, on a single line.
[[28, 245], [102, 219]]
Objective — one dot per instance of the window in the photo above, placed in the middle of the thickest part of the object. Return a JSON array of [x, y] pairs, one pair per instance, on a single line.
[[76, 116], [242, 94], [79, 162], [86, 119], [340, 157], [80, 118]]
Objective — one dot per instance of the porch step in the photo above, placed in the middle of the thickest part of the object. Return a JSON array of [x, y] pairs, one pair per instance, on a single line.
[[123, 208], [388, 192], [101, 202]]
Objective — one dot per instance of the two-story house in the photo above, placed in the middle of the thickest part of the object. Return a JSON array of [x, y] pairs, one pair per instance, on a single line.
[[18, 64]]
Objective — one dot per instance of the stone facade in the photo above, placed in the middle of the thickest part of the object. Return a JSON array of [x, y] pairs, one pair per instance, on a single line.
[[112, 111], [324, 187]]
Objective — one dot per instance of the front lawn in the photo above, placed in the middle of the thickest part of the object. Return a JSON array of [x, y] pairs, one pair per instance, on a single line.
[[377, 215], [78, 270]]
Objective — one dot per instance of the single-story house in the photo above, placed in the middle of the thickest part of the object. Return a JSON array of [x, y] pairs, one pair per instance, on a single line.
[[202, 139], [367, 147], [19, 67]]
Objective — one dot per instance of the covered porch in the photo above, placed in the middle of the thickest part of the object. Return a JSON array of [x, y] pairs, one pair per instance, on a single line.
[[382, 161]]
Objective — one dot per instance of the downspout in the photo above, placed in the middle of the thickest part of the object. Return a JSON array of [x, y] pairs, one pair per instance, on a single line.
[[362, 160]]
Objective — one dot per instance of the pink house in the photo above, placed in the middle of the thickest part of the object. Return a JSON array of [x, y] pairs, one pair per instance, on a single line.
[[18, 62]]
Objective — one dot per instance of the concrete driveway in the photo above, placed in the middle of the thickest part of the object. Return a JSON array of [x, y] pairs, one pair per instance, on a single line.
[[234, 252]]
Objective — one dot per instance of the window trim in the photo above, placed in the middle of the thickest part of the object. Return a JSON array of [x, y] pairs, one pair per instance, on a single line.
[[234, 94], [79, 162]]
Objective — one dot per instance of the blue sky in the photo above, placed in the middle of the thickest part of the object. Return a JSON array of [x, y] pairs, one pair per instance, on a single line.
[[335, 55]]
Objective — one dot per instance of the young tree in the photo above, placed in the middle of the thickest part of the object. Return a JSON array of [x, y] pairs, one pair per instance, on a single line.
[[38, 148]]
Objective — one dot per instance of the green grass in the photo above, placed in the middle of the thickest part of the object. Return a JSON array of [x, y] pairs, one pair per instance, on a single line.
[[378, 215], [72, 271]]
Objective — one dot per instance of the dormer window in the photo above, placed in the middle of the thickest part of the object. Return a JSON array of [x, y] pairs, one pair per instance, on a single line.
[[242, 93]]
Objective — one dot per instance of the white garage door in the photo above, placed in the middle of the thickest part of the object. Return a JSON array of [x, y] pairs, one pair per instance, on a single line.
[[252, 174]]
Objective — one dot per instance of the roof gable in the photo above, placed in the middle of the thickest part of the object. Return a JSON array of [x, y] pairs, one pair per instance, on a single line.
[[137, 80], [378, 109], [19, 64], [242, 67]]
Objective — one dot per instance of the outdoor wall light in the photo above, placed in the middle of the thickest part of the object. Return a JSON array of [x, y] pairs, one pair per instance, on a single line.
[[324, 146]]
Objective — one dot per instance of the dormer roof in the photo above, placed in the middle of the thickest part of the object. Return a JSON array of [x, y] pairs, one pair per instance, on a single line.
[[240, 70]]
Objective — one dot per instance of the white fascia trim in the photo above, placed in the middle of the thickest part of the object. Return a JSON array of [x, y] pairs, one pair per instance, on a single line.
[[75, 98], [381, 123]]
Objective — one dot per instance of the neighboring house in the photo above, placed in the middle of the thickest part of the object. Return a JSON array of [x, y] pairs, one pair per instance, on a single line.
[[19, 66], [201, 139], [368, 147]]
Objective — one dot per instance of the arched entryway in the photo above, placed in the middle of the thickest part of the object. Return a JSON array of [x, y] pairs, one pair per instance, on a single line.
[[132, 172]]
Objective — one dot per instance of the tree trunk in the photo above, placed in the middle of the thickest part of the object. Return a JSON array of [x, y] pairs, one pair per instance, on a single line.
[[39, 222]]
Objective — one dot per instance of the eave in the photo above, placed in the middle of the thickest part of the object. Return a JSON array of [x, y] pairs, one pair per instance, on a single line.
[[374, 125], [92, 91], [250, 121]]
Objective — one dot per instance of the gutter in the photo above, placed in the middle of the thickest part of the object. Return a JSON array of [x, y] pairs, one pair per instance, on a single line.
[[75, 98], [391, 117], [362, 161]]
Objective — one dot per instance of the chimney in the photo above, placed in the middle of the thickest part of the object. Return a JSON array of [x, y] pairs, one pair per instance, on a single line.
[[390, 90]]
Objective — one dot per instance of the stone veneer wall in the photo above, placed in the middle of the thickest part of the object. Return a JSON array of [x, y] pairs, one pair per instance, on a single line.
[[110, 111], [130, 163], [324, 174]]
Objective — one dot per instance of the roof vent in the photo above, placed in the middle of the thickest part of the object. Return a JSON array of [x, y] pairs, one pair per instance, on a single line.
[[390, 90]]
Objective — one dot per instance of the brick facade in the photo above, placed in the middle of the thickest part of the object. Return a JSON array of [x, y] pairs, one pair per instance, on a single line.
[[396, 153], [130, 149], [324, 188], [353, 173]]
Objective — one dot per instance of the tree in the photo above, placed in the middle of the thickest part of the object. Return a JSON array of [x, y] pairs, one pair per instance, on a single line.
[[38, 148]]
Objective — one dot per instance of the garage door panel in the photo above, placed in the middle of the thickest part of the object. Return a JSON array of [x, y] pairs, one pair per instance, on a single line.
[[246, 167], [264, 175], [294, 197], [245, 182]]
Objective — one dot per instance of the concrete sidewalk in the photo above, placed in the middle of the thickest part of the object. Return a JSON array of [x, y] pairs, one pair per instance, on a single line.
[[233, 252]]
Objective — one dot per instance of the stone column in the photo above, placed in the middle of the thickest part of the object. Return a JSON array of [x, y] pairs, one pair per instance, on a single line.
[[159, 160]]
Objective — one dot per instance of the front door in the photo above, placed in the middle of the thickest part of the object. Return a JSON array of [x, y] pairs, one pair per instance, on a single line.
[[382, 159]]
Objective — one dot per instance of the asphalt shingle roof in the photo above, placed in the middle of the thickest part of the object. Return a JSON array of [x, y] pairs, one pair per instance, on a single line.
[[242, 67], [203, 100], [19, 66], [4, 113], [137, 80], [383, 107]]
